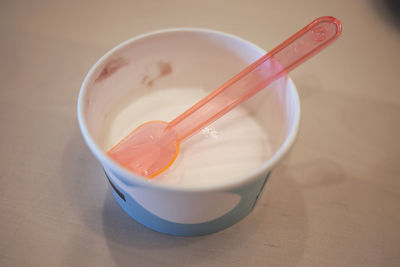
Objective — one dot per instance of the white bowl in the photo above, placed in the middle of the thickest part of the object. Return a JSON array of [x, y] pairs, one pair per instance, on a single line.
[[195, 57]]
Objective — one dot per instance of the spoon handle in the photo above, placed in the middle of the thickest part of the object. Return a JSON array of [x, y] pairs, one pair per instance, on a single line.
[[275, 64]]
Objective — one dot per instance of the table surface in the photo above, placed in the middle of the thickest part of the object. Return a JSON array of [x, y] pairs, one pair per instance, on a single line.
[[333, 201]]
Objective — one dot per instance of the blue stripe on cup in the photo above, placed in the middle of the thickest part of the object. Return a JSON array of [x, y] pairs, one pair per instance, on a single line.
[[249, 197]]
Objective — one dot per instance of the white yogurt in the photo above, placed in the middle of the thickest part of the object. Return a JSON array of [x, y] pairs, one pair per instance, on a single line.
[[230, 147]]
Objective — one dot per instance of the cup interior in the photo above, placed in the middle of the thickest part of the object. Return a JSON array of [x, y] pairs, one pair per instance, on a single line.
[[179, 59]]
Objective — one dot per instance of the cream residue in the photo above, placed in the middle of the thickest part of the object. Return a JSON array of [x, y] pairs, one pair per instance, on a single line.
[[230, 147]]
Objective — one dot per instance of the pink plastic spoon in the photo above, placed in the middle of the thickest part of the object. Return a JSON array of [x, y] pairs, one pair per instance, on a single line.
[[153, 146]]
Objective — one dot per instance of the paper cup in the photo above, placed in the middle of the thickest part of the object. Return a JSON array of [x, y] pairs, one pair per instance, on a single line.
[[183, 57]]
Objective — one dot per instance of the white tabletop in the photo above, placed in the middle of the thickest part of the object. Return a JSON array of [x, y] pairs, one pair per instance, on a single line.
[[334, 201]]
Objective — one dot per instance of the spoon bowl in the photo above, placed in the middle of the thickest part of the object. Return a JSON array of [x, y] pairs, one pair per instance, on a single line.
[[149, 150]]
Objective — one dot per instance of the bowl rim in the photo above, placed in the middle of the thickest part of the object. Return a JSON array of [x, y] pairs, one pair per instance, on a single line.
[[130, 179]]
